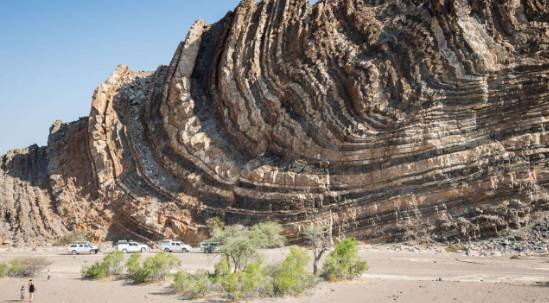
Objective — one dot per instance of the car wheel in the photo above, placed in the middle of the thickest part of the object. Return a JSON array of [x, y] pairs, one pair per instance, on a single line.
[[167, 250], [143, 250], [125, 251], [185, 250], [74, 252]]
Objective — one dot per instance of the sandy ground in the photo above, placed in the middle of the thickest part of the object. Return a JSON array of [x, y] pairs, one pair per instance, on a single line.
[[394, 276]]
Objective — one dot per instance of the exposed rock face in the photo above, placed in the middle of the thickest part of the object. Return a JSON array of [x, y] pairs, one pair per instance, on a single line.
[[391, 120]]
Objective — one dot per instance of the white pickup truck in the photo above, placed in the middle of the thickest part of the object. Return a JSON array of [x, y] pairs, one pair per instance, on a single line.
[[82, 248], [174, 246], [131, 247]]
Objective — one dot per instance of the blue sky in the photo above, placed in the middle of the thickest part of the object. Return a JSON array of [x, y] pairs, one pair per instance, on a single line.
[[54, 53]]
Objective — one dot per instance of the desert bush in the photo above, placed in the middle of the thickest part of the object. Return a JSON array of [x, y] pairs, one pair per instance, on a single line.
[[268, 235], [251, 282], [154, 268], [97, 271], [112, 264], [4, 270], [192, 286], [223, 267], [133, 264], [230, 285], [71, 237], [291, 276], [256, 282], [115, 262], [343, 263], [27, 267]]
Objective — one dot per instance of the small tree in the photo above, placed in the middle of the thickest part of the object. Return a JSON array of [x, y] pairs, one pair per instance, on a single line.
[[344, 262], [239, 246], [291, 276], [320, 241], [268, 235]]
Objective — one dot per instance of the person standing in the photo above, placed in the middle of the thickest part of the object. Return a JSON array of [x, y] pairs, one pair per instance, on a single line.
[[32, 289], [22, 293]]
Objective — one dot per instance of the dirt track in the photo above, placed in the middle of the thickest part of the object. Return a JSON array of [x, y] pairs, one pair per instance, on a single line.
[[394, 276]]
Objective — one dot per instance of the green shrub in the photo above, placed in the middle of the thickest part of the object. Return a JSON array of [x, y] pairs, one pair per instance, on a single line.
[[268, 235], [251, 282], [222, 267], [27, 267], [343, 263], [112, 264], [115, 262], [97, 271], [192, 286], [4, 270], [255, 281], [230, 285], [136, 274], [15, 268], [154, 268], [160, 265], [291, 276], [133, 264]]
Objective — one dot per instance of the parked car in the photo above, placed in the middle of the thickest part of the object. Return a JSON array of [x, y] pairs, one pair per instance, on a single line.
[[82, 248], [174, 246], [131, 247], [210, 247]]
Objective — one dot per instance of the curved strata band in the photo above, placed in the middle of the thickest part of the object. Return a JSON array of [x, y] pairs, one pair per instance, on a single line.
[[388, 120]]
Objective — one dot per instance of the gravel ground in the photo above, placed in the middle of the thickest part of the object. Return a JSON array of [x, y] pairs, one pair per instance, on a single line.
[[397, 274]]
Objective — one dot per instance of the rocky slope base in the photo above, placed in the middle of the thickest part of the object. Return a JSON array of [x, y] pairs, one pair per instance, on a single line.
[[386, 120]]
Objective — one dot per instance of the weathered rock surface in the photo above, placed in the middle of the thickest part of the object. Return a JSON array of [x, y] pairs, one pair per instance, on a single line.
[[393, 120]]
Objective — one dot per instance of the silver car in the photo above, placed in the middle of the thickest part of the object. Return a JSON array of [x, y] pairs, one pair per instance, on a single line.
[[82, 248], [131, 247], [174, 246]]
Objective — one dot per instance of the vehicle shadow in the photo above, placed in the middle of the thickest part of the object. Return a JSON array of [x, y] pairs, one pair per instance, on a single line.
[[166, 292]]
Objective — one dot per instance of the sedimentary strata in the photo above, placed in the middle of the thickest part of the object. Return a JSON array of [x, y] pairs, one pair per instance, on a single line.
[[386, 120]]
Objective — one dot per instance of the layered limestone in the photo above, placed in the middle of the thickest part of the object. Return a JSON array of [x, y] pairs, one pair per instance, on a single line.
[[386, 120]]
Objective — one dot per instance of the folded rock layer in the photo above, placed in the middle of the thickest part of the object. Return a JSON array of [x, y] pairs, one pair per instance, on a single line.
[[386, 120]]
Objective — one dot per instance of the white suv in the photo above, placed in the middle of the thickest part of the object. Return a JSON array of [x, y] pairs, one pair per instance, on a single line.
[[174, 246], [82, 248], [131, 247]]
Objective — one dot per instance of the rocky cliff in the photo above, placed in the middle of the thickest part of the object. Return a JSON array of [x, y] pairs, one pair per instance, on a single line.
[[389, 120]]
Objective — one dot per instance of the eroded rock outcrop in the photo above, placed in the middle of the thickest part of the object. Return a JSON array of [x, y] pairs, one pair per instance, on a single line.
[[393, 120]]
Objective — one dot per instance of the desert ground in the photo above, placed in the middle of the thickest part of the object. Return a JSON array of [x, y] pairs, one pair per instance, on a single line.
[[401, 274]]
